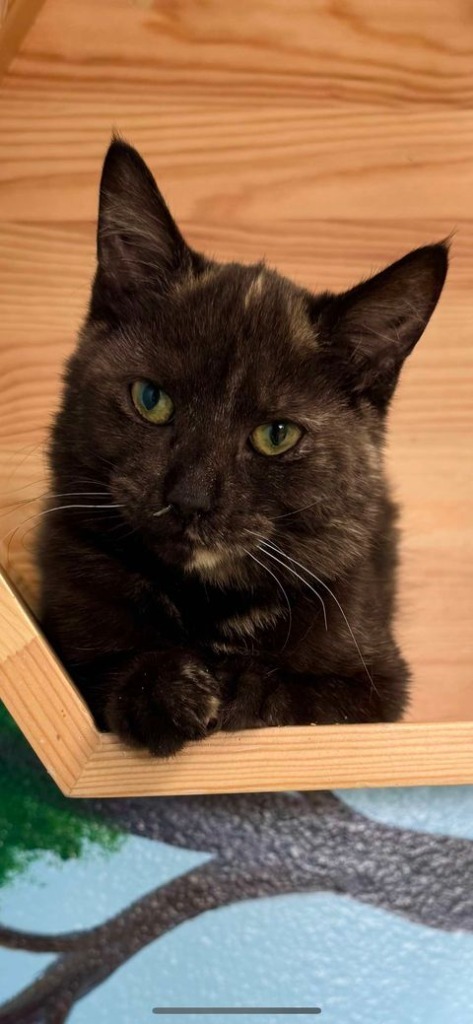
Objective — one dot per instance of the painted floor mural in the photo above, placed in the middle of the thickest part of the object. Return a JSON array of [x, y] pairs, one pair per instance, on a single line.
[[360, 903]]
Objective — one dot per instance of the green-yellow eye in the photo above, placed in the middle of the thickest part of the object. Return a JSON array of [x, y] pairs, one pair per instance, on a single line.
[[275, 438], [151, 401]]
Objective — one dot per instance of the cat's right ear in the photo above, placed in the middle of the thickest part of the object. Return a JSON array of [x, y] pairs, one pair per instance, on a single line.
[[138, 242], [371, 329]]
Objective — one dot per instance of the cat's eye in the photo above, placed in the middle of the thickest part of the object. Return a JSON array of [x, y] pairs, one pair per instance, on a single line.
[[275, 438], [151, 401]]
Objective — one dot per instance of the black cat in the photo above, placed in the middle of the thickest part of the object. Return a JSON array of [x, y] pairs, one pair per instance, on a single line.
[[228, 550]]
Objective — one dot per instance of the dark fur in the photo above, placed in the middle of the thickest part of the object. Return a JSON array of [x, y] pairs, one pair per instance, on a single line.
[[164, 652]]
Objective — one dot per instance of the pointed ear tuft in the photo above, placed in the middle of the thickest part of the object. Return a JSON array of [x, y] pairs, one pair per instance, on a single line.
[[373, 327], [138, 241]]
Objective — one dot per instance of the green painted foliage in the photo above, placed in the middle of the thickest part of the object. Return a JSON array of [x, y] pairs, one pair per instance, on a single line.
[[34, 815]]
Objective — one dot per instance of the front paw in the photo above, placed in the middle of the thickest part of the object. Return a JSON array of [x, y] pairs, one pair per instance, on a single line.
[[168, 698]]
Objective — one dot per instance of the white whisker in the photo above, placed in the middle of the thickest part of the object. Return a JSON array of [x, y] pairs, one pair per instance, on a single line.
[[57, 508], [167, 508], [263, 566], [296, 510], [61, 494], [299, 577], [329, 591]]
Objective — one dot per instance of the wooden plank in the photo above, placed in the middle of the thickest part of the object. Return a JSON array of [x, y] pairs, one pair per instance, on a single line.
[[305, 108], [234, 164], [39, 695], [307, 757], [16, 18], [317, 53]]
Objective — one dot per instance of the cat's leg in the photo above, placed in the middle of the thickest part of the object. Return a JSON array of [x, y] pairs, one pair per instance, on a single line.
[[157, 699], [285, 699], [335, 700]]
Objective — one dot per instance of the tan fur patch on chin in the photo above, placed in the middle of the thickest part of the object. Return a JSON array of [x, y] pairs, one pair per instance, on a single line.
[[204, 560], [214, 565], [217, 566]]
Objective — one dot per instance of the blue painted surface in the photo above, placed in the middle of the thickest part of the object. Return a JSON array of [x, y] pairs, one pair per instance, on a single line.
[[360, 962], [444, 810], [357, 963], [19, 969]]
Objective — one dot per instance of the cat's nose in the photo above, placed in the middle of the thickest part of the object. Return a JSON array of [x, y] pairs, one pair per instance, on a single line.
[[188, 498]]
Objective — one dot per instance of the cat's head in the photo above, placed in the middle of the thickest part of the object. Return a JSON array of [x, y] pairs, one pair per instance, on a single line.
[[243, 405]]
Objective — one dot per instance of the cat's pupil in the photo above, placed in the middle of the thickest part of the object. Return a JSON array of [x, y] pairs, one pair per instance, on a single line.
[[150, 396], [278, 433]]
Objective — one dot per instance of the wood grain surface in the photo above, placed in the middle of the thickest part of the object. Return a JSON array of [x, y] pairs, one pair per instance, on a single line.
[[37, 693], [329, 137], [293, 757], [16, 18]]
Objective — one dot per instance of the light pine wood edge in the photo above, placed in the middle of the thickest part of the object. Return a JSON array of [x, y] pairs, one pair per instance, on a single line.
[[302, 757], [84, 762], [16, 18], [40, 696]]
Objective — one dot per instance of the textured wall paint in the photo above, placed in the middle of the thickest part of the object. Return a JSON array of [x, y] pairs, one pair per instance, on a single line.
[[360, 902], [445, 810]]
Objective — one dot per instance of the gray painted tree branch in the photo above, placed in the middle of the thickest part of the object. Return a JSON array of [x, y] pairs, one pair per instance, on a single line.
[[31, 942], [105, 948]]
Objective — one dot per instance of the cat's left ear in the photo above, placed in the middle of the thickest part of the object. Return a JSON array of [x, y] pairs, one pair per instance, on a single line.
[[138, 241], [371, 329]]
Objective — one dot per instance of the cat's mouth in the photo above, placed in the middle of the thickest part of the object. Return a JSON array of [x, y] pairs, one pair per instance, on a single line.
[[192, 547], [198, 546]]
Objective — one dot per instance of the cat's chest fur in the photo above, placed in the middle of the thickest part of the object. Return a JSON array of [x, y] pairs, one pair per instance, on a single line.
[[226, 622]]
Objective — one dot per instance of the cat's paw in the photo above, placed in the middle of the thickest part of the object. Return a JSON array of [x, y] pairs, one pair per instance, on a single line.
[[169, 698]]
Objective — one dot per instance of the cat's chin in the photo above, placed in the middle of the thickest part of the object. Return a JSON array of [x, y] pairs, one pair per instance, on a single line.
[[207, 559], [212, 561], [211, 564]]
